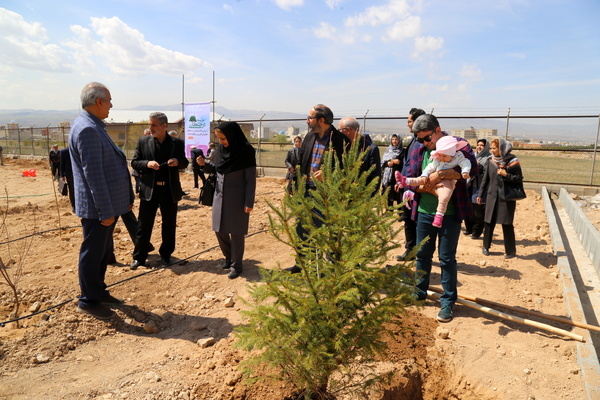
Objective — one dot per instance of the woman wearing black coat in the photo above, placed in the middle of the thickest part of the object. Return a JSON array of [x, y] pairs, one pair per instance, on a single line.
[[235, 165], [502, 167]]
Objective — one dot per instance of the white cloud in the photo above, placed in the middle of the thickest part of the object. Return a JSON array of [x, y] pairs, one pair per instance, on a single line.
[[333, 3], [288, 4], [427, 46], [471, 72], [381, 15], [227, 7], [407, 28], [328, 31], [23, 45], [125, 51]]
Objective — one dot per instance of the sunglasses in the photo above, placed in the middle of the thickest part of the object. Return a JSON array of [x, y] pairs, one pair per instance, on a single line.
[[425, 139]]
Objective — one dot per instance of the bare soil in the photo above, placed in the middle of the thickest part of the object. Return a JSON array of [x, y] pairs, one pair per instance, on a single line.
[[152, 351]]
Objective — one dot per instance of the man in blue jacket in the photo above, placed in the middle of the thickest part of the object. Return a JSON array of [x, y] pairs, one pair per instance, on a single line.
[[102, 192]]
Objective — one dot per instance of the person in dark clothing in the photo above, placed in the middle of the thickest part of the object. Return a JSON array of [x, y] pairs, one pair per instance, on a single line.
[[235, 165], [410, 225], [54, 159], [197, 169], [322, 135], [474, 224], [350, 127], [158, 159], [66, 174], [501, 167], [392, 161], [292, 160]]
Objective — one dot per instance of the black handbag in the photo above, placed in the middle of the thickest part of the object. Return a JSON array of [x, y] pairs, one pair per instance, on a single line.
[[514, 191], [62, 187], [208, 190]]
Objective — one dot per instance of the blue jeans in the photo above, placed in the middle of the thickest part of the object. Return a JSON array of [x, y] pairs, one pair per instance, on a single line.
[[447, 236]]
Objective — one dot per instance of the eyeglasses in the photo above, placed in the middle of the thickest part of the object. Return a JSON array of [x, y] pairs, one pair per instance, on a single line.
[[425, 139]]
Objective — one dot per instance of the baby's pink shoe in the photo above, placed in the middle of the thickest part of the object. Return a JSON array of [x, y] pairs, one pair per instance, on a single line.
[[438, 220], [400, 179]]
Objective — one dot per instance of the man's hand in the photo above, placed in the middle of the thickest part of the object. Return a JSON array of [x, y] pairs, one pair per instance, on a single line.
[[200, 161], [173, 162], [108, 222], [153, 165], [247, 210], [318, 175]]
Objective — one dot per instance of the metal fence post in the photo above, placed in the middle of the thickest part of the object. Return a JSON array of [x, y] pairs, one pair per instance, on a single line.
[[259, 137], [595, 152], [507, 120]]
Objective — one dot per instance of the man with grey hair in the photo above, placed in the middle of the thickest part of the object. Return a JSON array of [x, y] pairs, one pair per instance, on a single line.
[[158, 159], [350, 127], [423, 202], [102, 193]]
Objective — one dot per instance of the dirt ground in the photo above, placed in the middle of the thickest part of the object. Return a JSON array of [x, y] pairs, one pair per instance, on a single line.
[[152, 350]]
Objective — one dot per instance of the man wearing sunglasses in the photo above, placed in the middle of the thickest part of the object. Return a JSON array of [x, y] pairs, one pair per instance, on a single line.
[[424, 203]]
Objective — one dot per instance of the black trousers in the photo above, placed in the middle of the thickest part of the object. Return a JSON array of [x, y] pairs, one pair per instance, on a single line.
[[508, 231], [474, 224], [232, 246], [93, 259], [161, 198], [198, 172], [410, 229]]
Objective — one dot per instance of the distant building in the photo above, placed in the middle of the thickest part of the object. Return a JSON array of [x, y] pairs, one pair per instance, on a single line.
[[292, 131], [264, 132]]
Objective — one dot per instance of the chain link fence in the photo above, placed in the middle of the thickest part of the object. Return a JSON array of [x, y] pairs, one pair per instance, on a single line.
[[559, 148]]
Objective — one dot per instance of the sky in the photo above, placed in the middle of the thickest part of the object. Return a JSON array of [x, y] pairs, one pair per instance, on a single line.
[[378, 56]]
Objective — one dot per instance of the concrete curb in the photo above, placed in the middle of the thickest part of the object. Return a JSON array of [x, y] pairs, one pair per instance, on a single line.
[[588, 234], [586, 353]]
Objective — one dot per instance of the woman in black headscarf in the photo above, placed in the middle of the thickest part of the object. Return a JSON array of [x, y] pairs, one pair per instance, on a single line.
[[502, 167], [235, 165], [474, 223]]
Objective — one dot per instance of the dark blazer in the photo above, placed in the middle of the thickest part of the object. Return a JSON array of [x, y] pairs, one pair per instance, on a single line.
[[291, 161], [102, 181], [144, 152], [492, 185], [195, 153], [66, 171], [339, 142]]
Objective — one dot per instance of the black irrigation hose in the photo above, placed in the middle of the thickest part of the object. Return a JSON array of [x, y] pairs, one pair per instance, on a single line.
[[39, 233], [3, 324]]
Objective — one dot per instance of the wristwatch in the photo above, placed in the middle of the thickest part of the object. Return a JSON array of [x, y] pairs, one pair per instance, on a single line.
[[441, 174]]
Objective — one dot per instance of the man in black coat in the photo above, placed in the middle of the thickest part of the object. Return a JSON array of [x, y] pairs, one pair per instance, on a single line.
[[54, 159], [66, 174], [322, 136], [196, 152], [158, 159]]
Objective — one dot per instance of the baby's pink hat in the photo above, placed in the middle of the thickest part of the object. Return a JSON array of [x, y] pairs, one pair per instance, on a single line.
[[448, 145]]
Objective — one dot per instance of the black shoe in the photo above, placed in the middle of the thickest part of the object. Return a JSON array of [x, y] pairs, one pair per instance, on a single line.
[[293, 270], [485, 251], [166, 261], [234, 273], [467, 233], [135, 264], [100, 311], [405, 256], [184, 193], [109, 300], [226, 264], [475, 236], [509, 256], [112, 259], [150, 248]]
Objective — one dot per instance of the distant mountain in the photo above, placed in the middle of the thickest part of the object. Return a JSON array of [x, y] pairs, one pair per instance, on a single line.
[[39, 118]]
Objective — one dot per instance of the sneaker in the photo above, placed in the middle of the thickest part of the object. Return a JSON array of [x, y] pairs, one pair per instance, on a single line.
[[400, 179], [100, 311], [438, 220], [109, 300], [445, 314]]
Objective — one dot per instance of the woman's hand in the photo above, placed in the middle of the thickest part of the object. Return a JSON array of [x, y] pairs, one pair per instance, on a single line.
[[247, 210], [502, 172]]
